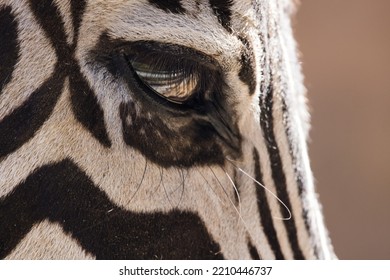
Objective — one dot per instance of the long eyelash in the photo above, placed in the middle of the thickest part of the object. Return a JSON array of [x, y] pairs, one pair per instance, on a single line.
[[178, 71]]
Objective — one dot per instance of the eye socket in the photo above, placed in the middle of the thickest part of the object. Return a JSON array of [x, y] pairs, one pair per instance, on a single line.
[[175, 73]]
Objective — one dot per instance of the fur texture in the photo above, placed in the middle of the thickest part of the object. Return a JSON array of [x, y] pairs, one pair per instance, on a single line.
[[77, 124]]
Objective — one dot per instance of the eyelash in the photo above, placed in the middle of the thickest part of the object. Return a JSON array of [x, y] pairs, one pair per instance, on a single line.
[[171, 79], [174, 77]]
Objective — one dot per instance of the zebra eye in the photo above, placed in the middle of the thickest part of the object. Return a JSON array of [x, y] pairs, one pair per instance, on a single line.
[[173, 78]]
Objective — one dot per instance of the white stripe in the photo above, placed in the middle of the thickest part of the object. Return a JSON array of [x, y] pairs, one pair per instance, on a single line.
[[48, 241]]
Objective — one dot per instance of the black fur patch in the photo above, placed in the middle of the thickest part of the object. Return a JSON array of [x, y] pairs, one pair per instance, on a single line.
[[189, 145], [266, 122], [265, 211], [9, 46], [222, 9], [173, 6], [62, 193]]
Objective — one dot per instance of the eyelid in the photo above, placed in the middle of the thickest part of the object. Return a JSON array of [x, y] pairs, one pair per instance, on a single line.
[[154, 48]]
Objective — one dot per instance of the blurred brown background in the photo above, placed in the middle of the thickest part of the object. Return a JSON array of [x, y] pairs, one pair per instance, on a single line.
[[345, 48]]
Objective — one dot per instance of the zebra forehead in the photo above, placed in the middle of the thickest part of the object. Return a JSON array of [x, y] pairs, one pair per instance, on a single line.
[[138, 20]]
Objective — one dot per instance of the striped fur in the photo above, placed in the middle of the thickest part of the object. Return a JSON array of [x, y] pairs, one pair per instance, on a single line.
[[94, 166]]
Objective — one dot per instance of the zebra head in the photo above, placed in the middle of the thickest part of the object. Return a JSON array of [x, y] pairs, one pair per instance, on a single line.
[[154, 129]]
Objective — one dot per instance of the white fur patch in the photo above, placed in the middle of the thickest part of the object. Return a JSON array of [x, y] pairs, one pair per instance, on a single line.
[[48, 241]]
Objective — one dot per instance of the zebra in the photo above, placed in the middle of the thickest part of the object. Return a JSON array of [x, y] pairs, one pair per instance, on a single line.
[[154, 129]]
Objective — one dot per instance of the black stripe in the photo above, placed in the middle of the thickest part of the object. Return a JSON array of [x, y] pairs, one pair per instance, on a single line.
[[264, 65], [9, 46], [173, 6], [253, 251], [52, 24], [297, 170], [85, 105], [63, 193], [22, 124], [300, 184], [77, 8], [222, 9], [266, 121], [247, 73], [265, 211]]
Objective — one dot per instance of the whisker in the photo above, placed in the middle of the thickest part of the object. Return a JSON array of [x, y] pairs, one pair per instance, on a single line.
[[204, 178], [140, 183], [265, 188], [165, 190], [231, 202], [182, 175], [235, 189], [183, 186]]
